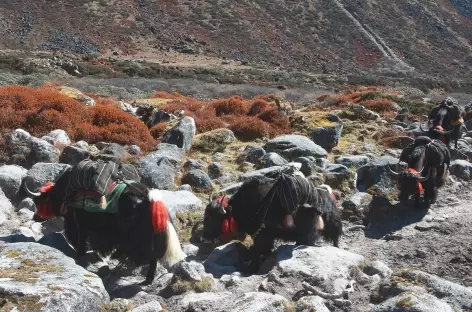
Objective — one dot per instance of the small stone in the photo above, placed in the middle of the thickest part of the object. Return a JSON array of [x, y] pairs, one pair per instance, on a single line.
[[393, 237], [421, 253]]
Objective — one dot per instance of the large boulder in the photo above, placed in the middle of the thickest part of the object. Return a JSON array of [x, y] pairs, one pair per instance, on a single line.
[[339, 176], [59, 137], [11, 177], [356, 161], [413, 302], [327, 137], [293, 146], [461, 169], [6, 208], [72, 155], [180, 201], [214, 140], [182, 133], [377, 174], [42, 151], [197, 179], [41, 173], [223, 260], [115, 150], [270, 160], [171, 152], [34, 277], [157, 172], [252, 154]]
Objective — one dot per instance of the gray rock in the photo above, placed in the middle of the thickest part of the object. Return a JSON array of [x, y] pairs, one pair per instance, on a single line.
[[214, 140], [6, 208], [258, 173], [134, 150], [311, 303], [157, 173], [190, 271], [327, 137], [42, 151], [322, 162], [59, 242], [378, 267], [293, 146], [357, 201], [461, 169], [115, 150], [215, 170], [17, 238], [185, 187], [339, 176], [81, 144], [17, 136], [41, 173], [218, 156], [252, 154], [11, 177], [456, 295], [270, 160], [182, 133], [47, 277], [326, 264], [153, 306], [59, 137], [258, 302], [308, 166], [226, 178], [414, 302], [25, 215], [198, 179], [194, 164], [170, 151], [376, 173], [222, 260], [190, 249], [72, 155], [180, 201], [353, 161]]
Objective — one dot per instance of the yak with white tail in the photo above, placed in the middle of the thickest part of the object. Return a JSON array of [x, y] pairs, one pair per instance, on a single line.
[[134, 222]]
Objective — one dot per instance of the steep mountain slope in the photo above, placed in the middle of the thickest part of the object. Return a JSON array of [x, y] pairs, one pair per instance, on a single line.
[[331, 36]]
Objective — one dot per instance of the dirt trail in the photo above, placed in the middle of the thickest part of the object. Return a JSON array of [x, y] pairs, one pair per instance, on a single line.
[[437, 241]]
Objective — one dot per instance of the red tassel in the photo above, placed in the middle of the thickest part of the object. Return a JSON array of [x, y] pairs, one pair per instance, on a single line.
[[47, 187], [419, 188], [159, 216], [44, 210], [224, 199], [228, 226]]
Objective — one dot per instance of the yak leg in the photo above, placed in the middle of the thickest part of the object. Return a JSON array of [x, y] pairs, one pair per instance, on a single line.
[[82, 241], [263, 244], [307, 239], [434, 195], [418, 200], [151, 272], [427, 198]]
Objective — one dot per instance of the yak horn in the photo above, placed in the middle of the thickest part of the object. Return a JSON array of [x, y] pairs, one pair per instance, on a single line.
[[423, 179], [31, 193], [211, 197], [222, 208], [392, 172]]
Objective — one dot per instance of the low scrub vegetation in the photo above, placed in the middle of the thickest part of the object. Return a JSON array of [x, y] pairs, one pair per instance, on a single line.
[[42, 110]]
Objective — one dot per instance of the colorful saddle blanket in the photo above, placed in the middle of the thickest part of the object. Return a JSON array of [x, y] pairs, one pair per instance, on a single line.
[[90, 200]]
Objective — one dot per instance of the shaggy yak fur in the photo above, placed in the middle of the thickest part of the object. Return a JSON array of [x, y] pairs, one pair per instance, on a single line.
[[446, 122], [257, 203], [428, 164], [142, 229]]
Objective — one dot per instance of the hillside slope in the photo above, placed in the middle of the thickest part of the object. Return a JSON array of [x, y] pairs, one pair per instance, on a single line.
[[331, 36]]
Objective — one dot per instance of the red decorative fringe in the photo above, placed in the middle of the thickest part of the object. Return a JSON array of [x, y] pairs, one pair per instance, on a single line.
[[229, 226], [159, 216], [47, 187]]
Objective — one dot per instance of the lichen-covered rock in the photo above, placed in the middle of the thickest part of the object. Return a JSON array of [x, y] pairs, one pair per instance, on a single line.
[[293, 146], [34, 277], [413, 302], [197, 179], [214, 140], [182, 133], [11, 177], [180, 201]]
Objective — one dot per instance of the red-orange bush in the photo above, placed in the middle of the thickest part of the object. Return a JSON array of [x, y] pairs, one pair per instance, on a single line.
[[249, 128], [158, 130], [208, 124], [276, 120], [379, 105], [257, 107], [40, 111], [231, 106], [167, 95]]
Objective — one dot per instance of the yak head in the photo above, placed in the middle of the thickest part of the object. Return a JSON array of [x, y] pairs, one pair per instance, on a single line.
[[42, 200], [218, 220], [409, 182]]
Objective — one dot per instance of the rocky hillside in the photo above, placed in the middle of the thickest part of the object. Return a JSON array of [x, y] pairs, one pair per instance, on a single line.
[[391, 257], [324, 36]]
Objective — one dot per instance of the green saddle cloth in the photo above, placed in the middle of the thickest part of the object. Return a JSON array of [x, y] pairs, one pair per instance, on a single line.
[[92, 203]]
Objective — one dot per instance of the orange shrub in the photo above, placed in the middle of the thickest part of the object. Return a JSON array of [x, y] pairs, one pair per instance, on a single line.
[[257, 107], [379, 105], [208, 124], [167, 95], [158, 130], [249, 128], [40, 111], [275, 119], [231, 106]]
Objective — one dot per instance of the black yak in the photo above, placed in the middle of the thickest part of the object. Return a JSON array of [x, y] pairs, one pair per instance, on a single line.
[[259, 208], [136, 222], [446, 122], [427, 165]]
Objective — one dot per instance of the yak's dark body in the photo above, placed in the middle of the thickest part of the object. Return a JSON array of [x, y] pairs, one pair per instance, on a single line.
[[129, 231], [435, 158], [256, 205]]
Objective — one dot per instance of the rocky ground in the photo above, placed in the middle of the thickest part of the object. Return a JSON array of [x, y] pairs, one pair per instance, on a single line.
[[391, 257]]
